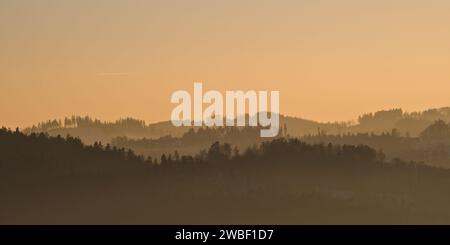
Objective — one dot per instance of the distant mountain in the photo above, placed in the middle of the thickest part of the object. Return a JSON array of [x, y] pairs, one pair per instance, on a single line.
[[405, 123], [91, 130]]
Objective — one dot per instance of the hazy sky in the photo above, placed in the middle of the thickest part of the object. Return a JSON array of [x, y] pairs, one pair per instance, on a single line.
[[330, 60]]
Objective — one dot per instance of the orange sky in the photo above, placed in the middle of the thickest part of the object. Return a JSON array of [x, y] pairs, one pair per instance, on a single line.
[[330, 60]]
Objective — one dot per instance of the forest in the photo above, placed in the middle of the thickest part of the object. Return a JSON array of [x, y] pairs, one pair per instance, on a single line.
[[397, 133], [431, 146], [389, 167], [60, 180]]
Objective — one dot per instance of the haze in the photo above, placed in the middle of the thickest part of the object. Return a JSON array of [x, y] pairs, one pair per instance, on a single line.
[[330, 60]]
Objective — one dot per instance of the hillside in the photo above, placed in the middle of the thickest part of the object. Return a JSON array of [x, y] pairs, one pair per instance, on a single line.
[[53, 180], [90, 130]]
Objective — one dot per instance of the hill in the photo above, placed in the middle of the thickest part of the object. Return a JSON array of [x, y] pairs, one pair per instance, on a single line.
[[91, 130], [54, 180]]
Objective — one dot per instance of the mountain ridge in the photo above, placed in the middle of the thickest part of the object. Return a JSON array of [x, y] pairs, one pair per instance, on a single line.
[[91, 130]]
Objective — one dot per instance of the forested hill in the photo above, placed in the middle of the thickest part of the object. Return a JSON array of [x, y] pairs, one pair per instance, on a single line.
[[91, 130], [432, 146], [54, 180], [194, 140], [40, 156]]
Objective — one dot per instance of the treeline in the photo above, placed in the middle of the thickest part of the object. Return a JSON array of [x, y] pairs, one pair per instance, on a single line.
[[406, 123], [194, 140], [432, 146], [86, 122], [91, 130], [437, 132], [394, 115], [41, 156], [48, 180]]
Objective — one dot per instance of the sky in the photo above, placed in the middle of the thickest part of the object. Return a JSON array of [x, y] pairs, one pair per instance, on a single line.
[[331, 60]]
